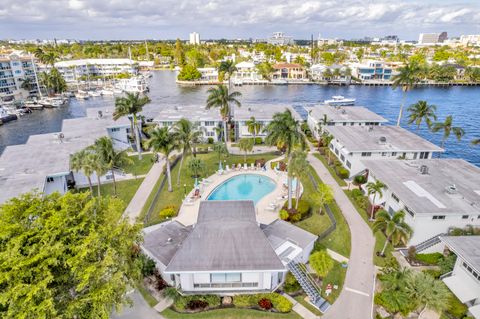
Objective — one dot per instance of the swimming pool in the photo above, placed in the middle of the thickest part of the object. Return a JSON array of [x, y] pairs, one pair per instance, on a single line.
[[242, 187]]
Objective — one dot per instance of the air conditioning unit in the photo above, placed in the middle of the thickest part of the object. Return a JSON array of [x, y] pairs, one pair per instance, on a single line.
[[424, 169]]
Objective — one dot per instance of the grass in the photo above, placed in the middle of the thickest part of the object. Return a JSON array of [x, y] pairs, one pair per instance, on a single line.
[[139, 167], [340, 181], [336, 276], [379, 236], [229, 313], [301, 300], [125, 189], [176, 196], [152, 302]]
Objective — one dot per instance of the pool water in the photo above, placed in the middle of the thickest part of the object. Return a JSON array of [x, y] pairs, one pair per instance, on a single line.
[[243, 187]]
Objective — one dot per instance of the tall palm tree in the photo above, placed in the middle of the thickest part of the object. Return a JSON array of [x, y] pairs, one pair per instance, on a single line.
[[394, 227], [245, 145], [422, 111], [254, 127], [427, 292], [186, 135], [447, 128], [112, 158], [297, 168], [284, 132], [407, 78], [374, 189], [322, 123], [163, 141], [227, 67], [131, 105], [220, 97], [78, 162], [95, 161]]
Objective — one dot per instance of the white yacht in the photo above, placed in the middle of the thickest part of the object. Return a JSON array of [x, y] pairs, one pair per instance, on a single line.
[[133, 85], [81, 95], [338, 100], [94, 93]]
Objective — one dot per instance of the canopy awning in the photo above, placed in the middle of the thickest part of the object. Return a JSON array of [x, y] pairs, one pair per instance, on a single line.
[[463, 286]]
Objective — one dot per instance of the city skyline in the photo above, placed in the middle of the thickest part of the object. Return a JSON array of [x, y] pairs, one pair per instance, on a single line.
[[87, 19]]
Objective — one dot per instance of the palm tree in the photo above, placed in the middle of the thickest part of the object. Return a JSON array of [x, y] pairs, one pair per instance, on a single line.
[[427, 291], [476, 141], [47, 57], [297, 167], [220, 149], [323, 122], [323, 195], [131, 105], [112, 158], [196, 166], [227, 67], [447, 128], [221, 98], [374, 189], [394, 227], [284, 131], [421, 111], [245, 145], [407, 78], [186, 135], [78, 162], [99, 167], [254, 127], [326, 140], [163, 141]]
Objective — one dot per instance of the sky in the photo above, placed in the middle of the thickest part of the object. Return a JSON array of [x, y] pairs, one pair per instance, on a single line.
[[214, 19]]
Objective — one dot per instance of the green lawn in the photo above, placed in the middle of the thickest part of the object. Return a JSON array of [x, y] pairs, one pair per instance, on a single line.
[[125, 189], [336, 276], [152, 302], [301, 299], [176, 196], [379, 236], [139, 167], [230, 313], [340, 181]]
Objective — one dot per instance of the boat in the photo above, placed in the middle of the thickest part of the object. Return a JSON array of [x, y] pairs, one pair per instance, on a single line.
[[117, 91], [107, 92], [6, 116], [52, 102], [81, 95], [94, 93], [133, 85], [33, 105], [338, 100]]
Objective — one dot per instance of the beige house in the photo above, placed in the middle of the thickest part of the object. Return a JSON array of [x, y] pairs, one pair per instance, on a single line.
[[289, 71]]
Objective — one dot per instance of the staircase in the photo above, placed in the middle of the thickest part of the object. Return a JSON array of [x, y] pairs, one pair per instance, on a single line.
[[424, 244], [308, 285]]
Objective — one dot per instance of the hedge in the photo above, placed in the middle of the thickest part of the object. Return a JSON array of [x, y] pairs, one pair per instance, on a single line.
[[430, 259], [181, 303], [280, 303]]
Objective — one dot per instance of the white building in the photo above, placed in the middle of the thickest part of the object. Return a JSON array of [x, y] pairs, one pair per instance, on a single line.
[[356, 143], [436, 194], [471, 39], [246, 72], [194, 38], [208, 122], [372, 70], [226, 251], [15, 68], [340, 74], [464, 280], [328, 115], [208, 74], [432, 38], [74, 70], [279, 38], [263, 114]]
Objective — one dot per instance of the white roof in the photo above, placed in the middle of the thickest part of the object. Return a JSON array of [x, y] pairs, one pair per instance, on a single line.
[[475, 311], [463, 286], [194, 113], [357, 114], [245, 64], [261, 112], [66, 64]]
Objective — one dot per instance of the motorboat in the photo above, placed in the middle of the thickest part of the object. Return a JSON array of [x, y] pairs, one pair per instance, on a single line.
[[81, 95], [94, 93], [33, 105], [107, 92], [7, 116], [338, 100], [117, 91], [133, 85]]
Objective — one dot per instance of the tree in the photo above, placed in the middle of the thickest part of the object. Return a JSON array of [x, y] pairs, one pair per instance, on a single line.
[[69, 256], [476, 141], [53, 81], [265, 69], [322, 123], [179, 55], [394, 227], [284, 131], [47, 56], [426, 292], [130, 106], [407, 78], [196, 166], [79, 162], [27, 84], [227, 67], [374, 189], [163, 141], [421, 111], [220, 97], [297, 168], [254, 128], [189, 73], [221, 150], [245, 145], [99, 167], [112, 158], [186, 135], [321, 262], [447, 128], [321, 196]]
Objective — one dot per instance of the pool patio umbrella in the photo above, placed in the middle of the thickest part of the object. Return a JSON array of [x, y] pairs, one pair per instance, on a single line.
[[195, 185], [220, 167]]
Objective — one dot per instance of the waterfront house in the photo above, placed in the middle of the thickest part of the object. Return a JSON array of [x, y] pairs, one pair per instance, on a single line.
[[372, 71], [464, 280], [340, 116], [208, 74], [226, 251], [246, 73], [289, 71], [263, 114], [352, 144], [335, 73], [208, 121], [436, 194], [15, 68], [76, 70]]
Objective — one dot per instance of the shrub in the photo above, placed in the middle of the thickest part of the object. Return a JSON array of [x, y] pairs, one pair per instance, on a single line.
[[356, 193], [147, 265], [430, 259], [456, 308], [258, 140], [280, 303], [447, 263], [284, 214], [210, 140], [295, 217], [244, 301], [197, 304], [321, 262], [359, 180], [291, 284], [343, 173], [167, 212], [303, 207], [264, 303]]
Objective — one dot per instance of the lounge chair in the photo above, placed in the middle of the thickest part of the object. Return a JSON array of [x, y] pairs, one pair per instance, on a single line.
[[252, 166], [227, 169], [188, 202], [245, 166], [220, 172], [270, 208], [205, 180]]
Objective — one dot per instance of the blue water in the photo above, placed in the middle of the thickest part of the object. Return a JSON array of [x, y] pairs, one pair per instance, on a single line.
[[461, 102], [245, 186]]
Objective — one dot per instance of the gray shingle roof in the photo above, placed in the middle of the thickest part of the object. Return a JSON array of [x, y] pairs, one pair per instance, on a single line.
[[280, 231], [225, 238], [465, 247]]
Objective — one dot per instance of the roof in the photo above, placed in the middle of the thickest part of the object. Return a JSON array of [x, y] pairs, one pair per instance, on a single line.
[[245, 64], [194, 113], [465, 247], [287, 65], [163, 240], [225, 238], [427, 193], [66, 64], [261, 112], [280, 231], [358, 114], [368, 138]]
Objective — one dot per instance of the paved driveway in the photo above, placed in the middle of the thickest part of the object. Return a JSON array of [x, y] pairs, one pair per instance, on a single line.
[[356, 299], [139, 310]]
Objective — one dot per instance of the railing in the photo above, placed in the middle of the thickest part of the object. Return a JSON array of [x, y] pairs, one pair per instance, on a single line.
[[428, 243]]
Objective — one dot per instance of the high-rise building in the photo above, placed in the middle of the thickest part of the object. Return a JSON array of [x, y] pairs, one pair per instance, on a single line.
[[471, 39], [432, 38], [16, 70], [279, 38], [194, 38]]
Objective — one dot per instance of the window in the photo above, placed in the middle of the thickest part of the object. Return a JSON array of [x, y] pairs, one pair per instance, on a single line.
[[415, 155], [210, 133], [336, 151], [465, 217], [344, 123], [394, 153], [384, 153], [409, 211], [349, 165], [395, 197], [225, 277], [209, 123], [49, 179], [366, 154], [471, 270], [438, 217], [115, 129], [342, 157], [331, 146], [424, 155]]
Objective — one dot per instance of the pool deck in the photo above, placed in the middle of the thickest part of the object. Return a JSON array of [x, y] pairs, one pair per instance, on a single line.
[[189, 211]]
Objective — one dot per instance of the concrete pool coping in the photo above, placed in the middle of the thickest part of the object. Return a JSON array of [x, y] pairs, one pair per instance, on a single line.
[[188, 213]]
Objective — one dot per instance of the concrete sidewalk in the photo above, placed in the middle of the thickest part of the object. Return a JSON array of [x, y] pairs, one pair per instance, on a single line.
[[300, 309], [356, 299]]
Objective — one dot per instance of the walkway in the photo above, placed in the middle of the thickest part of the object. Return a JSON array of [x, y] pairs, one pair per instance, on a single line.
[[301, 309], [257, 149], [356, 299], [139, 309]]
